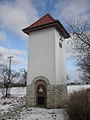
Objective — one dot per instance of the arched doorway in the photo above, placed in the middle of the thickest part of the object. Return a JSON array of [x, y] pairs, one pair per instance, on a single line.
[[40, 93]]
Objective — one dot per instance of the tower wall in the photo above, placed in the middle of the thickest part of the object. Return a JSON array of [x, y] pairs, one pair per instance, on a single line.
[[60, 60], [41, 60], [46, 62]]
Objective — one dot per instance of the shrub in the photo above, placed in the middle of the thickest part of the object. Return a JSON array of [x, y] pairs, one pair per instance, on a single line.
[[78, 106]]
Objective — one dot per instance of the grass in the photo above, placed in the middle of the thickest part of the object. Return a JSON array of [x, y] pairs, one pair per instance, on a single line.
[[78, 106]]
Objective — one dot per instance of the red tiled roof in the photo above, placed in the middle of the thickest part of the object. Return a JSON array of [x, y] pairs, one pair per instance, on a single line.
[[45, 22]]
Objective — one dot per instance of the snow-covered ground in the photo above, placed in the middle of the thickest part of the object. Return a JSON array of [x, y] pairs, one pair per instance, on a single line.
[[14, 108], [43, 114], [72, 88], [15, 91]]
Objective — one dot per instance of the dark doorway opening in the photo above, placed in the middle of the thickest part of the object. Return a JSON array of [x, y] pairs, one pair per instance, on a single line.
[[41, 95], [41, 101]]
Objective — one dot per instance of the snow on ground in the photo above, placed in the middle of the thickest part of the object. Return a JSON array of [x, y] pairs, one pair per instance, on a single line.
[[15, 91], [14, 108], [72, 88], [6, 103], [18, 91], [43, 114]]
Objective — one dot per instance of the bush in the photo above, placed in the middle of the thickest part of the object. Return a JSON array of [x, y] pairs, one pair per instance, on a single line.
[[78, 106]]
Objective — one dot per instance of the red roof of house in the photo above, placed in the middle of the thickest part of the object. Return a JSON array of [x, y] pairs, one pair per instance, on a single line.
[[45, 22]]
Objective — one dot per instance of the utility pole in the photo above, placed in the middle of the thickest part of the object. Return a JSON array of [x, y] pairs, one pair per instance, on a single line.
[[9, 71]]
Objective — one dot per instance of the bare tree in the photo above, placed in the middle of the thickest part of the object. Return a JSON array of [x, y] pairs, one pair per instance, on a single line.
[[5, 78], [80, 31], [23, 73]]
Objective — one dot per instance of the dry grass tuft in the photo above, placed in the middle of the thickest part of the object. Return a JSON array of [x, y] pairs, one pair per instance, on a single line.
[[78, 106]]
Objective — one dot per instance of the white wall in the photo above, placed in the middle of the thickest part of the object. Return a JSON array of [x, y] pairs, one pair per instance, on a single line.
[[60, 60], [46, 58], [41, 61]]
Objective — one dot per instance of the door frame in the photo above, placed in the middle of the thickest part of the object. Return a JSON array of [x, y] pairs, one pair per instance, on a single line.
[[37, 83]]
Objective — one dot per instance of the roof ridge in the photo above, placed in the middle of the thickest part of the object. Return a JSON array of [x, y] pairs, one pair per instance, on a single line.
[[42, 18], [50, 16]]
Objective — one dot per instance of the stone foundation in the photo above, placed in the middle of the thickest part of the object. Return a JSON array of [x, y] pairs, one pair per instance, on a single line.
[[56, 96]]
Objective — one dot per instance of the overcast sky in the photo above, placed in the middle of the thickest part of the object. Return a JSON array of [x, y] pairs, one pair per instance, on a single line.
[[17, 14]]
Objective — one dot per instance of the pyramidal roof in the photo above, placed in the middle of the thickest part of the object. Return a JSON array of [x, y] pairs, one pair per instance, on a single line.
[[45, 22]]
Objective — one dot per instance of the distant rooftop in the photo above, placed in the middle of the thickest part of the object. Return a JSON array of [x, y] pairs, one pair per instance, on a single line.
[[46, 22]]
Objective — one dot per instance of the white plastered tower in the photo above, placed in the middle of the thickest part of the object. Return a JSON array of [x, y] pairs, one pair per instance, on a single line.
[[46, 63]]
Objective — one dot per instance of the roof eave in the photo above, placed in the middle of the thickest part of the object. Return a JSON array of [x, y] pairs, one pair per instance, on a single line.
[[61, 27], [56, 24], [28, 30]]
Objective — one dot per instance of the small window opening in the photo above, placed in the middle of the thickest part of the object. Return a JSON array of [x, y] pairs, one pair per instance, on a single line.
[[60, 45], [61, 37]]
